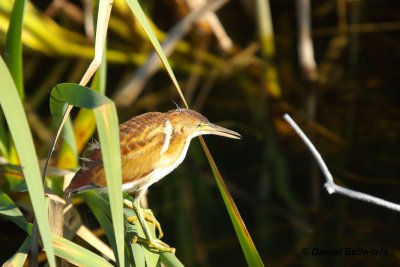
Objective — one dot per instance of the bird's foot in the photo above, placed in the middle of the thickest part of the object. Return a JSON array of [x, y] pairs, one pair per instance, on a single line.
[[148, 216], [144, 216], [154, 244]]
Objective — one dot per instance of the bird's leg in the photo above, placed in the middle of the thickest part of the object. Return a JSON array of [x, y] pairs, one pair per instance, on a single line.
[[148, 215], [149, 240]]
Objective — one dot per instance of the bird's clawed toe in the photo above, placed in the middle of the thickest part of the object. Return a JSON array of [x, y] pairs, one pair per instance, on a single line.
[[154, 244]]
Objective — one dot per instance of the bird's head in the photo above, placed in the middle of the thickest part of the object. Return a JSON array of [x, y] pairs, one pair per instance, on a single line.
[[194, 124]]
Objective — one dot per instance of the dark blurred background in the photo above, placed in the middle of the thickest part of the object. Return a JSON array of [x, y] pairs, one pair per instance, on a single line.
[[333, 70]]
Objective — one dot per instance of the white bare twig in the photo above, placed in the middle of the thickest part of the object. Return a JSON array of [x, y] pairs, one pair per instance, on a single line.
[[330, 185]]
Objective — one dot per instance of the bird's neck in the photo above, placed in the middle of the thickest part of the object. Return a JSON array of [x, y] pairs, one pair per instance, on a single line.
[[177, 149]]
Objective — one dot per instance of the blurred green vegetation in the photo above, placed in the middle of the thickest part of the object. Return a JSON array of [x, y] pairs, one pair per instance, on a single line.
[[347, 103]]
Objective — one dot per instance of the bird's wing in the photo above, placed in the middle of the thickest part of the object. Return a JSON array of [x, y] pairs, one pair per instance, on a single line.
[[86, 177], [140, 140]]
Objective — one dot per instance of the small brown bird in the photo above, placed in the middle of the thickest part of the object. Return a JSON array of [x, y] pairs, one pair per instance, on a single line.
[[152, 146]]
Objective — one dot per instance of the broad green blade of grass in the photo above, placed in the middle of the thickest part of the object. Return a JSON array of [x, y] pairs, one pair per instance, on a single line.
[[152, 257], [106, 119], [250, 251], [13, 46], [170, 259], [13, 213], [3, 139], [19, 258], [21, 134], [132, 230], [76, 254], [138, 255], [101, 210], [107, 125], [74, 94], [248, 247]]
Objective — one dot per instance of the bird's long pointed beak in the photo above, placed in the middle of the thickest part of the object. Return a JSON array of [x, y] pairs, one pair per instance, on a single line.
[[218, 130]]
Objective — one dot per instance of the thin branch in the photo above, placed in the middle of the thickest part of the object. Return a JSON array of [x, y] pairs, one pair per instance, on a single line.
[[330, 185]]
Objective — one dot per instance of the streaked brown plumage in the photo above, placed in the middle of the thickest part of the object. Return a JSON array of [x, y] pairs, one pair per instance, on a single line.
[[152, 145]]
